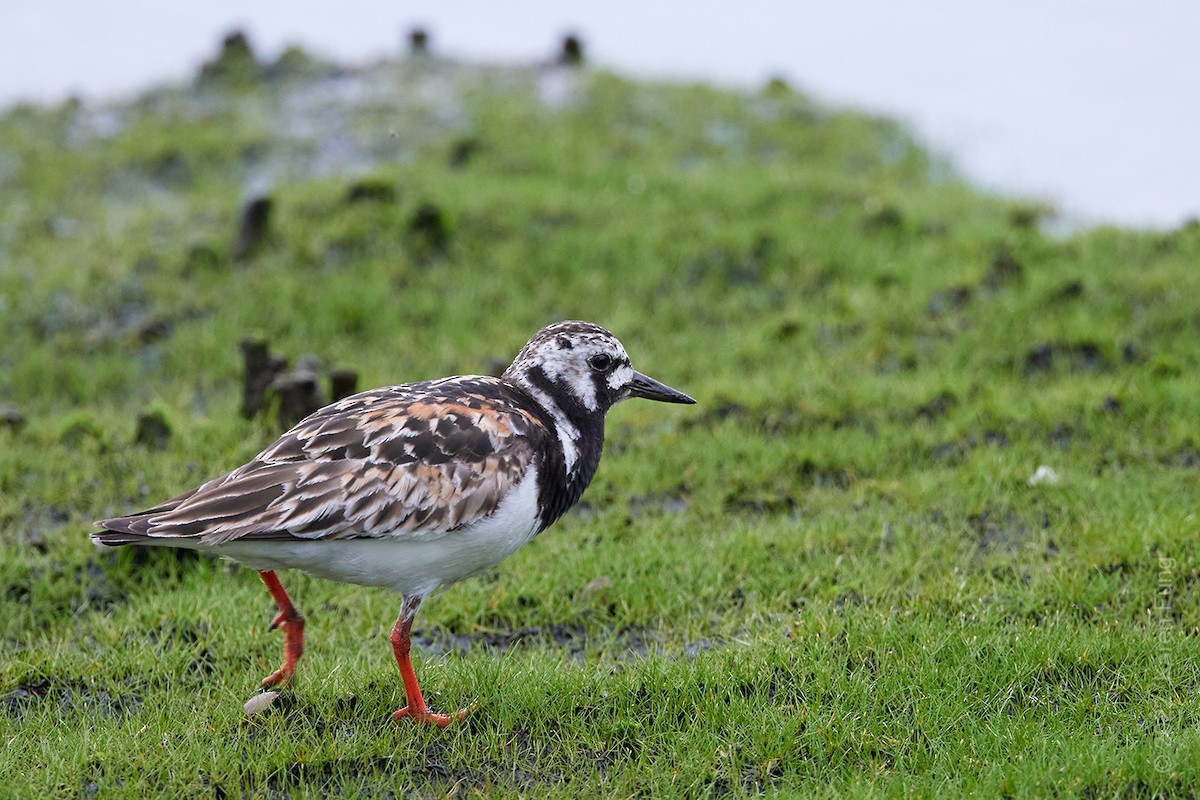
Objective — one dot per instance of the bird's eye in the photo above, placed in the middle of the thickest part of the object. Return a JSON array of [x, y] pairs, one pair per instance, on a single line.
[[600, 362]]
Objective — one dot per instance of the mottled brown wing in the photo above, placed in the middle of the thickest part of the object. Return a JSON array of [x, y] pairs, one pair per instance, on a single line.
[[403, 460]]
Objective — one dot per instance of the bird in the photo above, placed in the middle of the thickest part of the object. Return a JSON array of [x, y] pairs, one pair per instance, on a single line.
[[412, 487]]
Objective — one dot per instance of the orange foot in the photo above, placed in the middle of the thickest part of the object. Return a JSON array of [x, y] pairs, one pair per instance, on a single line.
[[416, 710], [426, 717], [293, 647], [289, 620]]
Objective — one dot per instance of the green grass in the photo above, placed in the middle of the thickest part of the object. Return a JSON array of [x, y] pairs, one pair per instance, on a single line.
[[830, 578]]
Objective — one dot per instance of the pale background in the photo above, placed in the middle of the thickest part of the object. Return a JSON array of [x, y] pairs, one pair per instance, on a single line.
[[1092, 104]]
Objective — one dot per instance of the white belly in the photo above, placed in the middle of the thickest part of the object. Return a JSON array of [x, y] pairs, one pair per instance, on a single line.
[[414, 563]]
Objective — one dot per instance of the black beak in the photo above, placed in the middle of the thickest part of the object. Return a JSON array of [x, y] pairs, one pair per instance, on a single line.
[[643, 386]]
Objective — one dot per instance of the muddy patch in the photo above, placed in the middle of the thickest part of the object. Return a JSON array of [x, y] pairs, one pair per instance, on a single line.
[[1004, 270], [1082, 356], [625, 643], [938, 406], [776, 419], [948, 300], [658, 504], [1183, 456], [997, 530], [759, 501], [69, 697], [782, 491], [98, 592], [37, 527], [1067, 291], [952, 451]]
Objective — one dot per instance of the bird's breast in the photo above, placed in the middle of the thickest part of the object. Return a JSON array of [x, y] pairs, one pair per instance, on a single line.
[[412, 562]]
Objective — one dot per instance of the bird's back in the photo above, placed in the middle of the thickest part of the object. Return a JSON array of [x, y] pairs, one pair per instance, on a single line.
[[411, 460]]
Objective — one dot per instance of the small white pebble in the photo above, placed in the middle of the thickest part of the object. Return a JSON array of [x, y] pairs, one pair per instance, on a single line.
[[1043, 474], [598, 584], [259, 703]]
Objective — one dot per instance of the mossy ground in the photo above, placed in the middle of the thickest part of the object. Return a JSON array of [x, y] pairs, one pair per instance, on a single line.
[[832, 577]]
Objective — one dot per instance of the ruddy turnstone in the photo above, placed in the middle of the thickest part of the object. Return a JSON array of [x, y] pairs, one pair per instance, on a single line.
[[412, 487]]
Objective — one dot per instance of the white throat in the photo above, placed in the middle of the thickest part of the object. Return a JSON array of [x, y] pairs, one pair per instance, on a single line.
[[568, 434]]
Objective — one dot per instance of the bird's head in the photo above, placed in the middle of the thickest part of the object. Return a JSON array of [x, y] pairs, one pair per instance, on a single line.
[[583, 367]]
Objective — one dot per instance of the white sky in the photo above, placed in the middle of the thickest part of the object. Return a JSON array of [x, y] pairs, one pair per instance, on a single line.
[[1094, 104]]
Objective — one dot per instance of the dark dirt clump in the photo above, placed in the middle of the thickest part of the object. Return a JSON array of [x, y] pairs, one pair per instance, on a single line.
[[1003, 271], [70, 696], [1183, 456], [953, 298], [939, 405], [1082, 356], [997, 530]]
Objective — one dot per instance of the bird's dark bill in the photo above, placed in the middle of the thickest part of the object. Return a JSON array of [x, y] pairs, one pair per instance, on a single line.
[[647, 387]]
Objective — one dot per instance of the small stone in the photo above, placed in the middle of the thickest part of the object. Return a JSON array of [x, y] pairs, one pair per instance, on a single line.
[[597, 585], [259, 703], [1044, 474]]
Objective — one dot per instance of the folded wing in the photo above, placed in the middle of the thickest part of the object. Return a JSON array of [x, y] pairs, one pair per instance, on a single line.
[[410, 460]]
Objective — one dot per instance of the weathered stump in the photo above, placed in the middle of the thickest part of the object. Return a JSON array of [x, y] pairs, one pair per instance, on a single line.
[[260, 369], [418, 42], [254, 228], [571, 54], [299, 396], [342, 383]]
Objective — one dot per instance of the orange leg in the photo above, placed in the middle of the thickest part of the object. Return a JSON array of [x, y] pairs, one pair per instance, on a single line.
[[416, 710], [292, 623]]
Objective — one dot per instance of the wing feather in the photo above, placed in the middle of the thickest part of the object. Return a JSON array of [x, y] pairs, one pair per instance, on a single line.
[[409, 460]]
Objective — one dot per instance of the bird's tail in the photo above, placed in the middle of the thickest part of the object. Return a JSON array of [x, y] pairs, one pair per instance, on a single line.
[[134, 528]]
